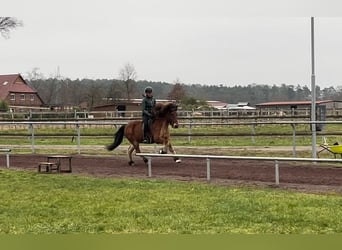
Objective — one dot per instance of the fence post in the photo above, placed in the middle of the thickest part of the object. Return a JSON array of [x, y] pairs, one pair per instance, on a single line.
[[78, 138], [149, 165], [8, 157], [190, 127], [276, 172], [31, 130], [253, 133], [7, 160], [208, 169], [294, 140]]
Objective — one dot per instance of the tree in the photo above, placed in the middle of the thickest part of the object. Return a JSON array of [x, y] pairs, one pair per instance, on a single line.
[[34, 74], [191, 103], [115, 90], [128, 75], [94, 93], [3, 106], [178, 92], [8, 23]]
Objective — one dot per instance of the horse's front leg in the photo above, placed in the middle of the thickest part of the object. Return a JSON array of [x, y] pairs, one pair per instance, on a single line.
[[164, 149], [169, 147], [176, 159]]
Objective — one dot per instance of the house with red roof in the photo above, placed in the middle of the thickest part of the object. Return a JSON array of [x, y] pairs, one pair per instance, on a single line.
[[18, 94]]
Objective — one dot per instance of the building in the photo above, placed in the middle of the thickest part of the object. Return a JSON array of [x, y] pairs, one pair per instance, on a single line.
[[297, 107], [301, 108], [217, 104], [18, 94], [124, 105]]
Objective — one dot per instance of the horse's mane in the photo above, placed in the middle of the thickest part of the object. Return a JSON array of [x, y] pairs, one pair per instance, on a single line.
[[161, 110]]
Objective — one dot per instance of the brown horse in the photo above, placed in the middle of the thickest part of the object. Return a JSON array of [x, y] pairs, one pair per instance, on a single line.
[[164, 115]]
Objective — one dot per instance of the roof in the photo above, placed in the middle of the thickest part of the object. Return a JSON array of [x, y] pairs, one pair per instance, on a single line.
[[132, 100], [243, 104], [217, 104], [9, 84], [241, 108], [292, 103]]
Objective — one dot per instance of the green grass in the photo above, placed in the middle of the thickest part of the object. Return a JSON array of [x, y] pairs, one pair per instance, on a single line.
[[43, 204]]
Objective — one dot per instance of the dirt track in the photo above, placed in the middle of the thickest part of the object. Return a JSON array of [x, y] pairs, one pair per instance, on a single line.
[[320, 178]]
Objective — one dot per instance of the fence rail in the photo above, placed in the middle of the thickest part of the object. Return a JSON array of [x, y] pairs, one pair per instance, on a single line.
[[276, 160], [300, 112], [77, 124], [183, 114]]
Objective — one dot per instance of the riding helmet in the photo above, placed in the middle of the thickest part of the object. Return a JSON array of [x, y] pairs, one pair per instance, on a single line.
[[148, 89]]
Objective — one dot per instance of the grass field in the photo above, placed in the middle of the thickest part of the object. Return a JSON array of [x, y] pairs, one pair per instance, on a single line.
[[97, 136], [48, 204]]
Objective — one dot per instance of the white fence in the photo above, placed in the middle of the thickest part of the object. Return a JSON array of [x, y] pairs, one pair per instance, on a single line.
[[276, 160], [7, 152], [31, 125], [77, 124]]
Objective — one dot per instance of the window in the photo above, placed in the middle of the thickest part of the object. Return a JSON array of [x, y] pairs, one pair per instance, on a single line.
[[22, 97], [32, 97], [12, 97]]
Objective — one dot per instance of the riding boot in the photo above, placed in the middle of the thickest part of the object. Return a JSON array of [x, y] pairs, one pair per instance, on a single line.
[[146, 137]]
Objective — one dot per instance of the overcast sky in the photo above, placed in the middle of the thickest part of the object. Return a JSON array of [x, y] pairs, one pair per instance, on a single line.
[[198, 42]]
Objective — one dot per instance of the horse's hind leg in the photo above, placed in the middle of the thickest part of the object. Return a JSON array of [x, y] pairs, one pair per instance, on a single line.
[[131, 148], [137, 150], [129, 152]]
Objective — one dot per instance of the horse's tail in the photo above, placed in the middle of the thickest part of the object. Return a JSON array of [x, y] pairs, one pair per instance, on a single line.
[[119, 135]]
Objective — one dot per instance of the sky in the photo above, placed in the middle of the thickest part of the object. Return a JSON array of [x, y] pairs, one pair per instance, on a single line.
[[228, 42]]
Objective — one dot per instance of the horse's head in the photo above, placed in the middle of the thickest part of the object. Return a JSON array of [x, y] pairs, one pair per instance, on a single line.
[[168, 112]]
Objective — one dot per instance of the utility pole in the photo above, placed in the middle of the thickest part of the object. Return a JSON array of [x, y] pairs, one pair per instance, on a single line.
[[313, 91]]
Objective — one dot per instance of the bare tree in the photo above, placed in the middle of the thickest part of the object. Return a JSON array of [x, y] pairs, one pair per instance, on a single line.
[[34, 74], [128, 75], [94, 93], [8, 23]]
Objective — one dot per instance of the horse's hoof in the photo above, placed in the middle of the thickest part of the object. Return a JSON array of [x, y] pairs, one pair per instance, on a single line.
[[178, 160], [131, 163], [145, 160], [162, 152]]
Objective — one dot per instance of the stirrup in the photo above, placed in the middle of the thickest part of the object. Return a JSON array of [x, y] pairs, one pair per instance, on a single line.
[[147, 140]]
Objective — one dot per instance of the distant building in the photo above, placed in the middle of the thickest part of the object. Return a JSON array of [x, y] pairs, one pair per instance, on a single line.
[[217, 104], [241, 106], [18, 94], [301, 108], [296, 107], [123, 105]]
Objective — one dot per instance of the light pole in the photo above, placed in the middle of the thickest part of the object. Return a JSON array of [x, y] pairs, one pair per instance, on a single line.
[[313, 91]]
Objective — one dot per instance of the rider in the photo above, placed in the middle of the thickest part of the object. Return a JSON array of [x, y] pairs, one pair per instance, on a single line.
[[147, 105]]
